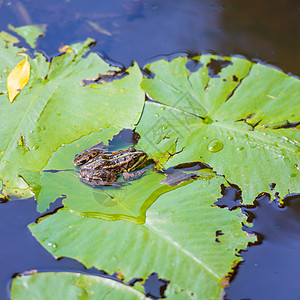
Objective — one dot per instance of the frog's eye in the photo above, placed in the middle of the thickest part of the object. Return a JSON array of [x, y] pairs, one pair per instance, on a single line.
[[131, 149]]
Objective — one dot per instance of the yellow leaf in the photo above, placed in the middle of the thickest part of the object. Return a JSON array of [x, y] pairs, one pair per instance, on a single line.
[[18, 78], [65, 48]]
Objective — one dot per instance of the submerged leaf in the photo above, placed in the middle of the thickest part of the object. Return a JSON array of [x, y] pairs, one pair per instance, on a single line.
[[30, 32], [98, 28], [18, 78]]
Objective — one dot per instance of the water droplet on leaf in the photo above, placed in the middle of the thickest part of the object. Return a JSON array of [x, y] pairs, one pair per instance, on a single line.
[[52, 245], [229, 138], [215, 146], [240, 148]]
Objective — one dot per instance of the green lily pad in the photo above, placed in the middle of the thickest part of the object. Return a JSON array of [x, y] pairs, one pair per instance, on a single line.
[[56, 109], [48, 286], [177, 240], [232, 114]]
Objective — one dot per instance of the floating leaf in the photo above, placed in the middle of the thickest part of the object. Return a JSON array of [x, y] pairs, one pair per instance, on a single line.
[[18, 78], [237, 116], [30, 32], [177, 240], [48, 286]]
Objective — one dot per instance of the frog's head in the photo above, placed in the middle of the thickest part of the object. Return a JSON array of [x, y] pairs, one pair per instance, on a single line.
[[137, 157]]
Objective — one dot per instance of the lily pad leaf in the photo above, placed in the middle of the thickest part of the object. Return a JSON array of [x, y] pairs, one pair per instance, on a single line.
[[18, 78], [55, 109], [176, 239], [62, 285], [29, 32], [239, 118]]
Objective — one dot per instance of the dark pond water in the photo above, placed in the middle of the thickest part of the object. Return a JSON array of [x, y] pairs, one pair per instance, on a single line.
[[275, 257], [137, 30], [271, 270]]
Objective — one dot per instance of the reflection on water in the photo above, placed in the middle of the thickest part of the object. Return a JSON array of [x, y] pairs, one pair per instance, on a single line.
[[265, 30], [138, 30]]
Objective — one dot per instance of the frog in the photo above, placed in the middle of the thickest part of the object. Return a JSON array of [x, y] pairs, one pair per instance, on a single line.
[[100, 168]]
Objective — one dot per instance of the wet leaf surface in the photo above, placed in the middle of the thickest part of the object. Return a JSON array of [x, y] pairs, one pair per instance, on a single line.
[[225, 117]]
